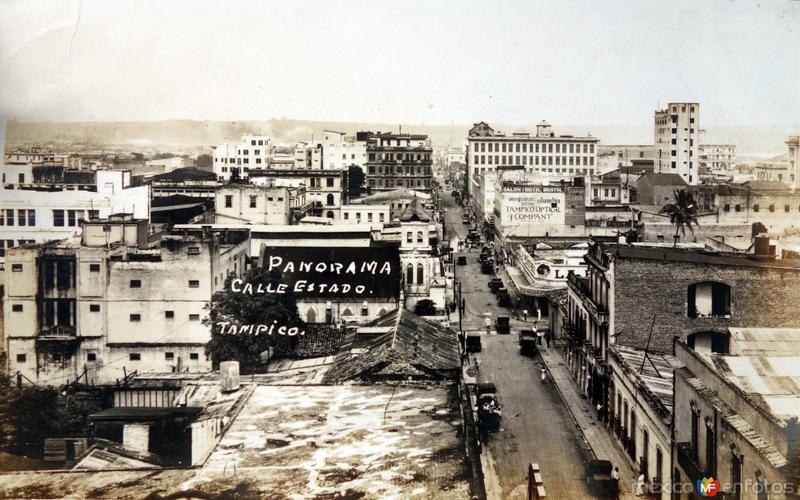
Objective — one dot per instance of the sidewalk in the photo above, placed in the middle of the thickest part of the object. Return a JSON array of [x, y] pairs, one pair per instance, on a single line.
[[598, 437]]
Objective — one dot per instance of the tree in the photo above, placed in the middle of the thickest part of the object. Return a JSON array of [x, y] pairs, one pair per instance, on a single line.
[[355, 181], [425, 307], [203, 161], [682, 213], [237, 308]]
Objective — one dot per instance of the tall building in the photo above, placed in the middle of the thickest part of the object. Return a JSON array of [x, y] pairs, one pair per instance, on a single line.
[[43, 202], [397, 161], [341, 150], [677, 140], [546, 154], [237, 158], [794, 160], [113, 302]]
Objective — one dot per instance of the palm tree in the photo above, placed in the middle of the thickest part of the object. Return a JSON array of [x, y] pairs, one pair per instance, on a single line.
[[682, 213]]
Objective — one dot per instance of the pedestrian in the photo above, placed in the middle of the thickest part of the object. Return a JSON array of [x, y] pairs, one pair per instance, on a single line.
[[525, 315], [544, 374], [547, 338], [640, 485], [615, 476], [539, 335]]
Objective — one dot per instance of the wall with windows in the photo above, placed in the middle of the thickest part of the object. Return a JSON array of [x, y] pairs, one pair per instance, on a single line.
[[364, 214], [246, 204], [759, 295]]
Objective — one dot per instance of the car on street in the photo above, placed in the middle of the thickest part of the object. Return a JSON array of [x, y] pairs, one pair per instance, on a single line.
[[461, 260], [495, 283]]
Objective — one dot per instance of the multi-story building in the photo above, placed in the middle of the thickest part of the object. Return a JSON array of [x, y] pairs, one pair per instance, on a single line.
[[189, 181], [398, 200], [257, 204], [423, 276], [237, 158], [546, 154], [44, 202], [524, 209], [677, 140], [794, 160], [340, 151], [324, 189], [111, 302], [735, 414], [397, 161], [365, 213], [643, 296], [717, 157], [769, 203], [166, 165]]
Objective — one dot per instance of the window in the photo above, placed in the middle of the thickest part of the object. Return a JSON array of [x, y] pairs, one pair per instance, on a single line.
[[94, 308], [22, 217], [409, 237], [420, 274], [21, 358], [709, 342], [16, 307], [72, 218], [755, 208], [169, 314], [194, 284], [94, 268], [737, 208], [134, 356], [90, 356], [329, 182], [136, 284], [709, 299], [410, 274], [228, 201], [329, 199], [786, 208], [58, 218], [169, 356], [772, 208], [194, 317], [194, 356], [252, 202], [16, 268], [419, 236], [727, 207], [135, 317]]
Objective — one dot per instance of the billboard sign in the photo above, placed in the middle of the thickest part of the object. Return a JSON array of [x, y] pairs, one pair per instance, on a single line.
[[531, 204], [335, 273]]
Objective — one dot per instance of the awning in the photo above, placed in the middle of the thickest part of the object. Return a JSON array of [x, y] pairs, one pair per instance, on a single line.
[[525, 287]]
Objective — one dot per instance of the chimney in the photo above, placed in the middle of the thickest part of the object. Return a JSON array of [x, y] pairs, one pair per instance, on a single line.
[[229, 376], [763, 250]]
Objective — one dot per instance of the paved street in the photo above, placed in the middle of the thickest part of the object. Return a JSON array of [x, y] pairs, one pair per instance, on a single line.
[[536, 427]]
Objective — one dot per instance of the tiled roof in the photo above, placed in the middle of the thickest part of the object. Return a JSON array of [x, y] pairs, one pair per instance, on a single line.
[[414, 212], [413, 347], [664, 179]]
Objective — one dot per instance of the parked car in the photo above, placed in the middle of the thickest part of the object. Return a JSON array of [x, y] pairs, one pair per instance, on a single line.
[[487, 267], [488, 408], [473, 342], [461, 260], [495, 283], [599, 479], [504, 299]]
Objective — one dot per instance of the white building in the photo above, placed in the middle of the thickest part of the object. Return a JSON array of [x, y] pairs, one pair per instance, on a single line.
[[717, 157], [49, 203], [363, 213], [110, 303], [254, 204], [677, 140], [794, 160], [341, 150], [251, 152], [166, 165]]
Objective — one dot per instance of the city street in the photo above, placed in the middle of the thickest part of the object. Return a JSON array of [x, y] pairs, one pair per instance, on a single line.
[[536, 426]]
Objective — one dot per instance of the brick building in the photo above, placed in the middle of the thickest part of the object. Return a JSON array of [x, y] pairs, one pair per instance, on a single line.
[[397, 161], [691, 294]]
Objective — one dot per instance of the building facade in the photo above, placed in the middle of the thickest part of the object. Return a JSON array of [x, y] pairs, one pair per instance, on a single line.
[[340, 151], [544, 153], [677, 140], [397, 161], [717, 157], [111, 302]]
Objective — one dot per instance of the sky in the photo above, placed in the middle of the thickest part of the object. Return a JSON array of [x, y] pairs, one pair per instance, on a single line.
[[418, 62]]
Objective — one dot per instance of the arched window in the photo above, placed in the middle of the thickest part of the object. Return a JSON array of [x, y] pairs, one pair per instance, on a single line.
[[709, 299], [311, 316], [410, 274], [330, 199], [347, 312], [420, 274], [542, 270], [382, 312], [330, 214], [419, 236]]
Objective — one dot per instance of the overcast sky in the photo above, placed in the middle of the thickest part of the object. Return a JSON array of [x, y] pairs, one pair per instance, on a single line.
[[516, 62]]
